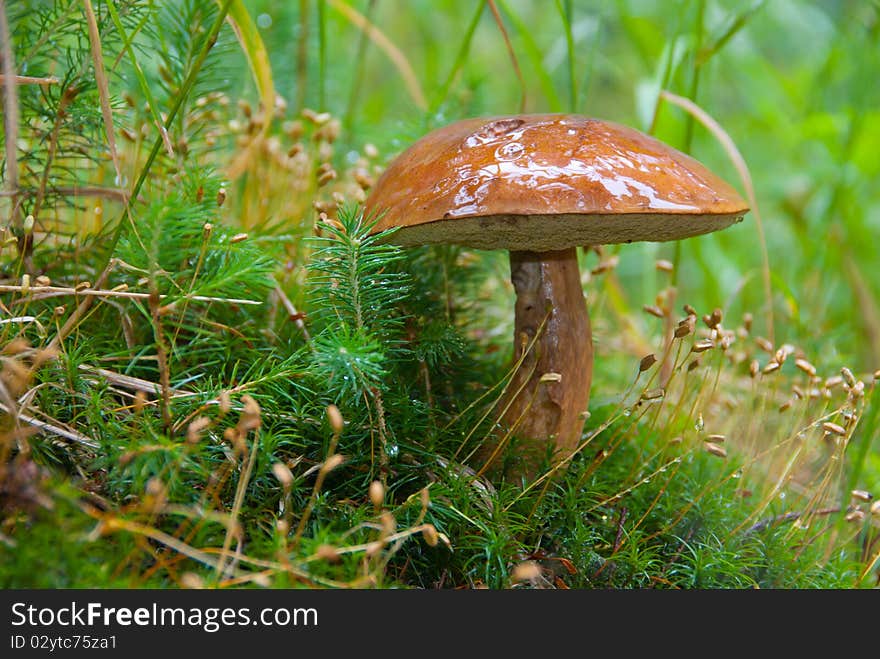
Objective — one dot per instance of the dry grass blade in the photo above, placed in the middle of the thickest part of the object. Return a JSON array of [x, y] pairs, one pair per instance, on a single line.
[[742, 169], [133, 383], [101, 82], [10, 112], [393, 52], [258, 58]]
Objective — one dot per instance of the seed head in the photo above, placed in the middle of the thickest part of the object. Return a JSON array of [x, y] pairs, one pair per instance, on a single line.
[[429, 533], [195, 429], [191, 581], [526, 571], [834, 428], [155, 486], [283, 474], [606, 265], [764, 344], [833, 381], [327, 553], [805, 366], [715, 449], [715, 318], [377, 494], [654, 394], [684, 328], [856, 515], [647, 362], [770, 367], [857, 391]]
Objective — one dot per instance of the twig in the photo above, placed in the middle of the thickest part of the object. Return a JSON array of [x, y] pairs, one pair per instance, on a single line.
[[29, 80]]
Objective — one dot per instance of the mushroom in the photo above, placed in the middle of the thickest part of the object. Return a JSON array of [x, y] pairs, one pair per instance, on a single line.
[[539, 186]]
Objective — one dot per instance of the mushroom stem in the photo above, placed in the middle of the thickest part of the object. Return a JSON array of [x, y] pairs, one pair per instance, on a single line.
[[549, 392]]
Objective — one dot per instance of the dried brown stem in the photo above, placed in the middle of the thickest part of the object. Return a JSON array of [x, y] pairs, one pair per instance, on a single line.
[[164, 370]]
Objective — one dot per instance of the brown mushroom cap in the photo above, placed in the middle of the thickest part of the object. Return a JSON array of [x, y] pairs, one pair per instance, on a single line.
[[545, 182]]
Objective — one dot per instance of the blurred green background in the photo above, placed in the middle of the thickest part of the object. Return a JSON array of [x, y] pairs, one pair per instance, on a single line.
[[793, 83]]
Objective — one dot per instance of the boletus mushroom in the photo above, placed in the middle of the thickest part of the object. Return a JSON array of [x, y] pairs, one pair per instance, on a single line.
[[539, 186]]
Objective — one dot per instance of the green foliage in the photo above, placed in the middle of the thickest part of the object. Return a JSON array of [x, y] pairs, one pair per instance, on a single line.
[[179, 241], [353, 277]]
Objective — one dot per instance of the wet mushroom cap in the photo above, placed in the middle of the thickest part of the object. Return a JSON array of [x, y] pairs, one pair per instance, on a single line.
[[546, 182]]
